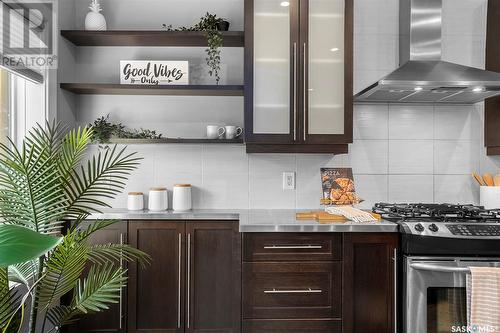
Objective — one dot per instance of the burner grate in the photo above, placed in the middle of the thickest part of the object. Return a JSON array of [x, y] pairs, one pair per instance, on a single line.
[[436, 212]]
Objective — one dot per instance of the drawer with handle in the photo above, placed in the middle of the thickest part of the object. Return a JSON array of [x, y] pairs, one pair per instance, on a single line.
[[292, 326], [292, 290], [292, 247]]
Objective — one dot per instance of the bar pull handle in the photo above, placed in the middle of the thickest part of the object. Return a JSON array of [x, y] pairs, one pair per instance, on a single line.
[[179, 267], [188, 288], [395, 267], [294, 91], [301, 291], [293, 247], [120, 304], [305, 80]]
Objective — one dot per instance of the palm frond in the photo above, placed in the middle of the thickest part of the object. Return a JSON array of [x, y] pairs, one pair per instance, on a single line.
[[31, 193], [61, 315], [24, 273], [9, 299], [103, 177], [74, 145], [103, 253], [63, 269], [99, 289], [94, 227]]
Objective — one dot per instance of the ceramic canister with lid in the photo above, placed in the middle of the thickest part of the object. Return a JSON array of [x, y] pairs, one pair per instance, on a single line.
[[182, 197], [158, 199], [135, 201]]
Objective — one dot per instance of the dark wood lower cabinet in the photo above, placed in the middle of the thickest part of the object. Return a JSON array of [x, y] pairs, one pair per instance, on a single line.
[[114, 319], [292, 326], [194, 281], [369, 282], [156, 293], [214, 277]]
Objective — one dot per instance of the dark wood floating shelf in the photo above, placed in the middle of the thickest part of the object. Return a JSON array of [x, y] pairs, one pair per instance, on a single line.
[[178, 140], [149, 38], [179, 90]]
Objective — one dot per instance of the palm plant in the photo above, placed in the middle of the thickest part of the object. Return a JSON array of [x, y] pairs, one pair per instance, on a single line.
[[43, 185]]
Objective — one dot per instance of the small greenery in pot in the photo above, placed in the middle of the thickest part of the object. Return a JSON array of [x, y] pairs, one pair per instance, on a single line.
[[212, 26], [103, 131]]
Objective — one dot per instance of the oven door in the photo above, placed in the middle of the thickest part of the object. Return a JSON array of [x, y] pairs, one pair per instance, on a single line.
[[435, 297]]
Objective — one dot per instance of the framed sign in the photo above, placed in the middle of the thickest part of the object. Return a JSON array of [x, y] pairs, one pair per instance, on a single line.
[[154, 72]]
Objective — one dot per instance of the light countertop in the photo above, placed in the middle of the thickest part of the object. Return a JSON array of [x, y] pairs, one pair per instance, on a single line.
[[252, 220]]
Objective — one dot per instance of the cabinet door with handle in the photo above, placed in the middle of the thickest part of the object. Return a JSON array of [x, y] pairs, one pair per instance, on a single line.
[[271, 71], [370, 282], [156, 297], [112, 320], [326, 48], [213, 277]]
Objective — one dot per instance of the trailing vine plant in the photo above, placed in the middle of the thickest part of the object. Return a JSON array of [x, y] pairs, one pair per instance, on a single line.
[[103, 130], [210, 25]]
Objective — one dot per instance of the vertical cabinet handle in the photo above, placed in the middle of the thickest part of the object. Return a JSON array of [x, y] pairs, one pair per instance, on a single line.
[[305, 90], [120, 318], [179, 283], [294, 91], [395, 267], [188, 279]]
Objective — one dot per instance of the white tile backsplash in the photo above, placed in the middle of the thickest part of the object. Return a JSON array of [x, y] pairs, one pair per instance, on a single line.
[[411, 122], [411, 188], [401, 152], [413, 157], [455, 157]]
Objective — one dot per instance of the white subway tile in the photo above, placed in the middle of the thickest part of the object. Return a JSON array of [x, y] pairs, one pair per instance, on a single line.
[[372, 189], [456, 123], [411, 157], [455, 189], [369, 156], [408, 121], [376, 51], [172, 159], [227, 191], [464, 17], [371, 121], [225, 159], [268, 164], [455, 157], [266, 192], [376, 16], [411, 188]]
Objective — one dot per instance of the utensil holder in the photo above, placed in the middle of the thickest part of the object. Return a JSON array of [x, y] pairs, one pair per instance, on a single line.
[[490, 197]]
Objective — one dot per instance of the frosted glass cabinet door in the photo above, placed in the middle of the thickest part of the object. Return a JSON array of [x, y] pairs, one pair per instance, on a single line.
[[325, 86], [274, 66]]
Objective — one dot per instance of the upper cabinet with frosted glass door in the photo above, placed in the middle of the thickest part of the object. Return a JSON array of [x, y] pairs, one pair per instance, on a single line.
[[298, 75]]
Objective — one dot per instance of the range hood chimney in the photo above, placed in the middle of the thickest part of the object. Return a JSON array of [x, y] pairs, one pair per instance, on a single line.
[[422, 76]]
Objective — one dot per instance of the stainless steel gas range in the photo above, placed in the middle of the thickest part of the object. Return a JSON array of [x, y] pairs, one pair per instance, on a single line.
[[439, 242]]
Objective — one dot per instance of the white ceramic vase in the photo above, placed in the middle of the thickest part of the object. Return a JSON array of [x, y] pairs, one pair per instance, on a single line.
[[95, 21]]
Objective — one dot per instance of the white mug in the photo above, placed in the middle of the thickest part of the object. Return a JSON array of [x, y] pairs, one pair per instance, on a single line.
[[232, 132], [215, 132]]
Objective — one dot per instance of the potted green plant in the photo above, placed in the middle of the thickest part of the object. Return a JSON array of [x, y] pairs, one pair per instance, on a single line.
[[212, 26], [44, 184]]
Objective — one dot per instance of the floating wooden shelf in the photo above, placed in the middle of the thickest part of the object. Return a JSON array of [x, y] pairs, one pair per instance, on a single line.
[[149, 38], [178, 140], [179, 90]]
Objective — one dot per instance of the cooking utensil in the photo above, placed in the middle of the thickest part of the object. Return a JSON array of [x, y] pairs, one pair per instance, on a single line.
[[488, 179], [497, 180], [478, 179]]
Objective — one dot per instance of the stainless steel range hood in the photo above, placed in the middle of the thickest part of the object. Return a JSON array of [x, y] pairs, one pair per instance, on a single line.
[[422, 76]]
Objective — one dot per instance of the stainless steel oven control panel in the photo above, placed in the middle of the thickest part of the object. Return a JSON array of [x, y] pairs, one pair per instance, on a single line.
[[453, 230]]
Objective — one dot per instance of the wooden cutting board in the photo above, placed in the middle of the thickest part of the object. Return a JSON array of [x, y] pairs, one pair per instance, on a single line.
[[324, 217]]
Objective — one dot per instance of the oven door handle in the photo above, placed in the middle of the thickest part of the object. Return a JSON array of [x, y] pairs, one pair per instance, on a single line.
[[439, 268]]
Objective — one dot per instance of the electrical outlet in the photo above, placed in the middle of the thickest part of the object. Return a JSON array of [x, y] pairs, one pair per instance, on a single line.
[[288, 180]]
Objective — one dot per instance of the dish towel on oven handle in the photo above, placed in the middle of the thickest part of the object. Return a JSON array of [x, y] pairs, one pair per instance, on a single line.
[[483, 299], [351, 213]]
